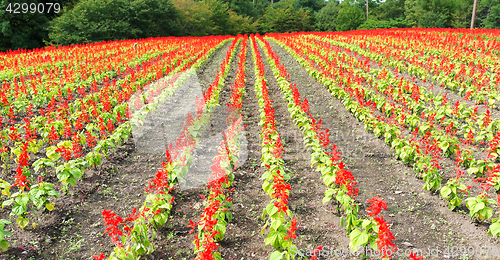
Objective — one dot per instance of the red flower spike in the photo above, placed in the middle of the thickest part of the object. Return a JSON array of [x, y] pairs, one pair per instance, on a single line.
[[100, 257], [413, 256], [291, 230], [376, 206]]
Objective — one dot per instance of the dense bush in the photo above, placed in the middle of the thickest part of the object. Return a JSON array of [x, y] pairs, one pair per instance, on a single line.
[[101, 20]]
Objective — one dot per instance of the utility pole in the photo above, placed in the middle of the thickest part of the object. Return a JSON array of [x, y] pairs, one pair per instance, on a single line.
[[473, 15], [366, 9]]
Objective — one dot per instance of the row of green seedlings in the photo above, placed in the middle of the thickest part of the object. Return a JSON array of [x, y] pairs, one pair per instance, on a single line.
[[424, 162], [156, 209], [340, 183]]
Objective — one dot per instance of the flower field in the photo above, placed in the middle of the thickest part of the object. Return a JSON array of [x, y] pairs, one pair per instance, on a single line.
[[379, 144]]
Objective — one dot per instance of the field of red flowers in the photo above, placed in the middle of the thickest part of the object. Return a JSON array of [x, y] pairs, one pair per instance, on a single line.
[[380, 144]]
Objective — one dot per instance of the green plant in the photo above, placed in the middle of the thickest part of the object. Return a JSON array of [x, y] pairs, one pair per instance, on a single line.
[[453, 192], [478, 207], [4, 244]]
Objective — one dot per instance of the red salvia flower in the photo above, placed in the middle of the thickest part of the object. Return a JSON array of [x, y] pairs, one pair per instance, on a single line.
[[413, 256], [376, 206], [345, 178], [90, 139], [112, 220], [291, 230], [100, 257], [384, 236], [110, 125]]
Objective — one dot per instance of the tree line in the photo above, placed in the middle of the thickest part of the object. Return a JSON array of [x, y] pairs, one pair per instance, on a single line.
[[86, 21]]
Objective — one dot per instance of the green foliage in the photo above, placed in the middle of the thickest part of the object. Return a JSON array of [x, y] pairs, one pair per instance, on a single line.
[[483, 11], [260, 7], [493, 19], [433, 20], [463, 14], [219, 17], [326, 17], [448, 13], [350, 16], [194, 18], [241, 7], [101, 20], [384, 24], [24, 30], [390, 9], [310, 5], [238, 24], [283, 17]]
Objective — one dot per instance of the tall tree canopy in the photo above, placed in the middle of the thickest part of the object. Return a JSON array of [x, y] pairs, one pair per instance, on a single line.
[[25, 29], [350, 16], [283, 17], [101, 20], [327, 16]]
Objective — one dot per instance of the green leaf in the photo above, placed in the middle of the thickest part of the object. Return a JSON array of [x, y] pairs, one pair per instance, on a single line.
[[445, 191], [276, 256], [7, 202], [72, 181], [4, 233], [275, 238], [494, 229], [217, 256], [19, 209], [5, 222], [4, 244], [358, 238], [22, 222], [276, 223], [49, 206], [479, 206]]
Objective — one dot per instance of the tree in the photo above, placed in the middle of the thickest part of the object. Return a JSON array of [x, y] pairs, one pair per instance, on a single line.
[[431, 13], [102, 20], [24, 30], [241, 7], [461, 17], [260, 7], [327, 16], [238, 24], [433, 20], [310, 5], [283, 17], [194, 18], [383, 24], [350, 16], [390, 9], [473, 15], [492, 21], [219, 17]]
